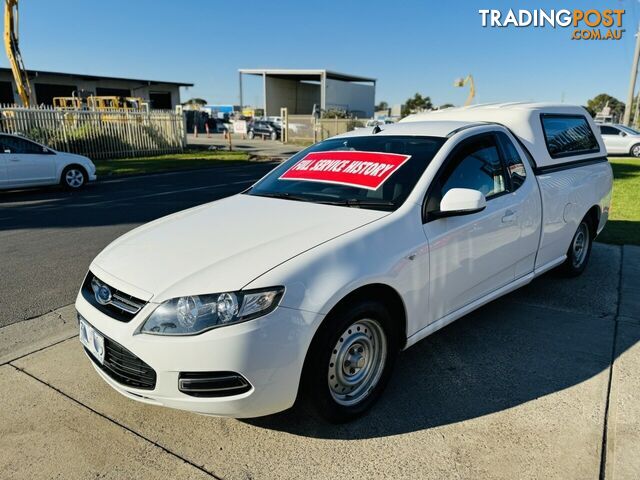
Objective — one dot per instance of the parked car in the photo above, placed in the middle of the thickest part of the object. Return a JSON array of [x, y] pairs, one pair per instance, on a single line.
[[264, 128], [216, 125], [620, 139], [25, 163], [314, 279]]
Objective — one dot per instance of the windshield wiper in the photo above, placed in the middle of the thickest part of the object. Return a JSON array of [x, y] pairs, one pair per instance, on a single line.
[[282, 195], [357, 203]]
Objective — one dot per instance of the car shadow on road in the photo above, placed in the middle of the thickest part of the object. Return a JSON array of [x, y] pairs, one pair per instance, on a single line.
[[503, 355], [125, 199]]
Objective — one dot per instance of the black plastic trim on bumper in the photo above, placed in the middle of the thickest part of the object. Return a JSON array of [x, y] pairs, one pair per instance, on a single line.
[[124, 367], [212, 384]]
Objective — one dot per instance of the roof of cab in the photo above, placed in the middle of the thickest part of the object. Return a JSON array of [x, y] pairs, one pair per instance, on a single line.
[[431, 128]]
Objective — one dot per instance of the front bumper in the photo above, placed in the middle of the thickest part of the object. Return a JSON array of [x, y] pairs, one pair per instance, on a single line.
[[269, 352]]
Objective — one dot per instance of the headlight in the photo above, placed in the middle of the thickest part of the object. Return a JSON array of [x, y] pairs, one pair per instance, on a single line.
[[199, 313]]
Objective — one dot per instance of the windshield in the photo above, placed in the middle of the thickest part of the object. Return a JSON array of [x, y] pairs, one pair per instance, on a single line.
[[376, 172], [629, 130]]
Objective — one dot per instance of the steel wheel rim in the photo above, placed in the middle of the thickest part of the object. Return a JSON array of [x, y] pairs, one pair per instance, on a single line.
[[580, 245], [74, 178], [357, 362]]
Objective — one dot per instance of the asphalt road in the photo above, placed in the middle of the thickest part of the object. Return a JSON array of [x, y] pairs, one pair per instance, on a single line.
[[49, 236]]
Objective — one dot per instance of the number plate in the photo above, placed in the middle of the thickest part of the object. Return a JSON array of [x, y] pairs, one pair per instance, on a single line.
[[92, 340]]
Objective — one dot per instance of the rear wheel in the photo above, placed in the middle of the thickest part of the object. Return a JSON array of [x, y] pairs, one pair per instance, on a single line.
[[251, 134], [351, 360], [274, 135], [579, 250], [635, 150], [73, 177]]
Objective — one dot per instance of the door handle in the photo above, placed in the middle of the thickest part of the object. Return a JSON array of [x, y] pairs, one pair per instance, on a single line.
[[14, 159], [510, 216]]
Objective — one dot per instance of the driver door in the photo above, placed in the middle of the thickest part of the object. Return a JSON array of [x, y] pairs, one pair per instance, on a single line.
[[471, 255]]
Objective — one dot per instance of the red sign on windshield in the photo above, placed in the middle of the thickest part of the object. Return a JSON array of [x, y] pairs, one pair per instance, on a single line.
[[357, 169]]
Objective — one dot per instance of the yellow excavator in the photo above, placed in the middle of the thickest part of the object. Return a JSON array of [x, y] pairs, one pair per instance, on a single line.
[[13, 51], [11, 45]]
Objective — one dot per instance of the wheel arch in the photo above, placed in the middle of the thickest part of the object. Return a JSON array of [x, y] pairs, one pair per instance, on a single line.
[[76, 165], [378, 291], [593, 215]]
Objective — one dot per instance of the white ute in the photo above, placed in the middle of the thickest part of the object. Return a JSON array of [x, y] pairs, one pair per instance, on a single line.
[[361, 245]]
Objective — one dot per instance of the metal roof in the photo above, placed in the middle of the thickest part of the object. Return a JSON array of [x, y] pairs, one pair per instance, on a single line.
[[82, 76], [305, 74]]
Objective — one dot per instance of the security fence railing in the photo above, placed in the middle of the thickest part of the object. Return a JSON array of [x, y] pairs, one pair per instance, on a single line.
[[307, 128], [98, 134]]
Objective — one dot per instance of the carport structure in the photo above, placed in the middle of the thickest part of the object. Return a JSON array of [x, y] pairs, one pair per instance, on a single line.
[[300, 90]]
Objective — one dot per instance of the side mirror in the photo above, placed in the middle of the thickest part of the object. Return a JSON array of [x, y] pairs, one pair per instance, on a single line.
[[461, 201], [623, 134]]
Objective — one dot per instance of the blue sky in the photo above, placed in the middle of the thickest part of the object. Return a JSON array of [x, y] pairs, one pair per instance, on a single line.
[[409, 46]]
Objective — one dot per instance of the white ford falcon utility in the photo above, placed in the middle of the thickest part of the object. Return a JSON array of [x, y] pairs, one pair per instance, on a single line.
[[315, 278]]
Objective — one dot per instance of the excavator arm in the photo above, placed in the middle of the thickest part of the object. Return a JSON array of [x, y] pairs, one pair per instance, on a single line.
[[13, 51]]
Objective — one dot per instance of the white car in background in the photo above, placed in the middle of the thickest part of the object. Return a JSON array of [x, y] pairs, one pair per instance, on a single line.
[[315, 278], [620, 139], [25, 163]]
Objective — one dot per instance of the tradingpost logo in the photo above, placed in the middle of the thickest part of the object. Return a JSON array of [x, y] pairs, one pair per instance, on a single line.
[[584, 24]]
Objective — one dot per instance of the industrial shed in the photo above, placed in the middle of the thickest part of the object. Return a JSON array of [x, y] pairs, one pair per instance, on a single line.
[[300, 90], [47, 85]]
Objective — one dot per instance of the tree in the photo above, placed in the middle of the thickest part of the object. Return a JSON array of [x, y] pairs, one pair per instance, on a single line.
[[598, 102], [196, 101], [446, 105], [335, 113], [382, 106], [416, 104]]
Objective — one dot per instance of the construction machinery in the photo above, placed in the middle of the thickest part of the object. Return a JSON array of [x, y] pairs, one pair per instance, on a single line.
[[461, 82], [110, 103], [13, 51]]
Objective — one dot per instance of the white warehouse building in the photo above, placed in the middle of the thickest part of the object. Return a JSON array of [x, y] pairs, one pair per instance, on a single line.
[[300, 90]]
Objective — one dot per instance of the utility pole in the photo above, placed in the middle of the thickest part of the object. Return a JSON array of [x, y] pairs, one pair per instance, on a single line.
[[632, 80]]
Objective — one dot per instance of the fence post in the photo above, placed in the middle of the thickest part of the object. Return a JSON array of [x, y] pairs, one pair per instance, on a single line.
[[284, 114]]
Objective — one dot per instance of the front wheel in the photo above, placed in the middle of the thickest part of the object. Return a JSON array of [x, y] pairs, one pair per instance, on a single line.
[[579, 250], [251, 134], [274, 135], [73, 177], [635, 150], [351, 360]]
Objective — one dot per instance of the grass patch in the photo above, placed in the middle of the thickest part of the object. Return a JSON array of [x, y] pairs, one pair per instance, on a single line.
[[163, 163], [623, 226]]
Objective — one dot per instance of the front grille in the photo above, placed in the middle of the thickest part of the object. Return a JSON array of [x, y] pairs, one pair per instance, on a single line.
[[124, 367], [119, 306]]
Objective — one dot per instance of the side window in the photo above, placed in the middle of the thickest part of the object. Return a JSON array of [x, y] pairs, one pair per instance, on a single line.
[[605, 130], [475, 165], [19, 145], [513, 161], [568, 135]]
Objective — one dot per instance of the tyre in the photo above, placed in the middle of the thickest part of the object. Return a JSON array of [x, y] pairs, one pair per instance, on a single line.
[[73, 177], [579, 250], [251, 134], [635, 150], [274, 135], [350, 360]]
